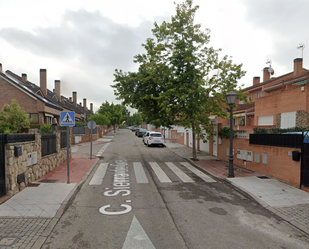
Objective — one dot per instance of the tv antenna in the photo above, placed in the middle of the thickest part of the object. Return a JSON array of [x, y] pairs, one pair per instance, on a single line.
[[270, 69], [301, 47]]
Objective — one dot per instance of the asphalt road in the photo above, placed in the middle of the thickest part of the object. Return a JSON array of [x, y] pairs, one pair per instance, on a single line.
[[148, 197]]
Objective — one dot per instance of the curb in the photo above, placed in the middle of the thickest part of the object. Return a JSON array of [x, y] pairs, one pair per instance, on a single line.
[[42, 238]]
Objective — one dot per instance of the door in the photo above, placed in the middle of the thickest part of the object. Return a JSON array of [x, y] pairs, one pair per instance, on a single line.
[[215, 139], [304, 175], [2, 165]]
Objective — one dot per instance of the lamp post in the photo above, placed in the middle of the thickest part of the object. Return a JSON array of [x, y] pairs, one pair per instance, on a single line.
[[231, 99]]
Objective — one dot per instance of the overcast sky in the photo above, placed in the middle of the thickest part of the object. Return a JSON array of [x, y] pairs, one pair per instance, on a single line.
[[82, 42]]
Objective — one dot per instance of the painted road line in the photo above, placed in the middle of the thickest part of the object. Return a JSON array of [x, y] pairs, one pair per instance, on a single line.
[[139, 173], [200, 174], [159, 172], [137, 237], [184, 177], [98, 176], [102, 150]]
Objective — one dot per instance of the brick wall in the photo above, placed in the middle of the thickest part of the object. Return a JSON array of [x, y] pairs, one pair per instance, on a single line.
[[9, 92], [279, 163], [280, 103], [177, 137]]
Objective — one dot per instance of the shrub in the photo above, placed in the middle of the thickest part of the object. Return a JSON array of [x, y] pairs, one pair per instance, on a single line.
[[46, 129]]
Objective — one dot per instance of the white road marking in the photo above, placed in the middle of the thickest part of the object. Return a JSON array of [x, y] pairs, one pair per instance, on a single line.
[[137, 237], [102, 150], [200, 174], [139, 172], [98, 176], [159, 172], [184, 177]]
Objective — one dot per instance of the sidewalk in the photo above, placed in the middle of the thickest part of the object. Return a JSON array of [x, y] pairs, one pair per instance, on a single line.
[[27, 218], [289, 203]]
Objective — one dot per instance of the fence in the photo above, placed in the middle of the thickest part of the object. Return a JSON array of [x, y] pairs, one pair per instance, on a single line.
[[63, 139], [279, 140], [78, 130], [48, 144], [15, 138]]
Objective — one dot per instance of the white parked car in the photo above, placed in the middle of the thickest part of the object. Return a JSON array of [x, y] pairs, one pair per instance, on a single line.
[[152, 137]]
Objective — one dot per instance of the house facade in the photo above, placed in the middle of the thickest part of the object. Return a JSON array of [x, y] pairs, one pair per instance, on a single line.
[[42, 105], [276, 102], [273, 102]]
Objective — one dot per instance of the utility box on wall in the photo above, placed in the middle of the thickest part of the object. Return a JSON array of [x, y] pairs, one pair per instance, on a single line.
[[18, 150]]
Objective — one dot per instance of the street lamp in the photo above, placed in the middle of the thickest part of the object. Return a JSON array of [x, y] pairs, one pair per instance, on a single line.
[[231, 99]]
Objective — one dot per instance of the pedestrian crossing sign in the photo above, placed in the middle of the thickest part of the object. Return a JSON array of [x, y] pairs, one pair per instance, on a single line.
[[67, 119]]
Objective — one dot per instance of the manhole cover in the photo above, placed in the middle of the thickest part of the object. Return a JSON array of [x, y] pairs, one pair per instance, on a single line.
[[8, 241]]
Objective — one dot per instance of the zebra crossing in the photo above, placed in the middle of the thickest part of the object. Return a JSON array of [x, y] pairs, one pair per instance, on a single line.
[[159, 171]]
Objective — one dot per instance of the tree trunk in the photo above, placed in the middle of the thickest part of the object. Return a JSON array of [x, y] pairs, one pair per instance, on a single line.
[[194, 144]]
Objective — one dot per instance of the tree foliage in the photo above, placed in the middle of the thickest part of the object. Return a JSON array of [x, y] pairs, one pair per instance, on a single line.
[[112, 114], [181, 79], [13, 119]]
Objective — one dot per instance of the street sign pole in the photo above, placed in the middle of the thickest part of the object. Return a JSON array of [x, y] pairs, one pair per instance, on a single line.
[[68, 154], [91, 141], [67, 119], [91, 125]]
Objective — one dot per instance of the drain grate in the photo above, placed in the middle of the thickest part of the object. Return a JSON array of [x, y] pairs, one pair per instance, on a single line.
[[33, 184], [263, 177], [8, 241], [48, 181]]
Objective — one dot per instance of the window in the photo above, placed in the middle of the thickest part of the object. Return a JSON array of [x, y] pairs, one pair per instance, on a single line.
[[259, 95], [34, 118], [242, 121], [49, 120], [288, 120], [266, 120]]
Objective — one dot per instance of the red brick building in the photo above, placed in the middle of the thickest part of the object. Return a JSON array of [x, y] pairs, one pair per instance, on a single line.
[[276, 102], [42, 105]]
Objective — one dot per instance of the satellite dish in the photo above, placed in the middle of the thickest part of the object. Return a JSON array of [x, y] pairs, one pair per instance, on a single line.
[[270, 70]]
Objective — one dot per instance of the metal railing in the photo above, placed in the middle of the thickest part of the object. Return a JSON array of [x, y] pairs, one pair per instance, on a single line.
[[280, 140], [48, 144]]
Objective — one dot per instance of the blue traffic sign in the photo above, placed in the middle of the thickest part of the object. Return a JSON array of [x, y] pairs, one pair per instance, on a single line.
[[67, 119]]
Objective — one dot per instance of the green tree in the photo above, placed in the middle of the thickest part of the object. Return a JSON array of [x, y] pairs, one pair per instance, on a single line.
[[13, 119], [113, 112], [181, 79], [100, 119]]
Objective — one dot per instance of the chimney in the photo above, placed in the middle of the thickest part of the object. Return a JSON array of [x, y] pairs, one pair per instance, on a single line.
[[57, 89], [85, 103], [266, 74], [0, 67], [70, 98], [43, 81], [256, 80], [298, 66], [75, 99], [91, 107], [24, 78]]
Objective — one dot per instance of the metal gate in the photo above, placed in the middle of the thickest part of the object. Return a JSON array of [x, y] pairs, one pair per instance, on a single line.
[[2, 165], [304, 176]]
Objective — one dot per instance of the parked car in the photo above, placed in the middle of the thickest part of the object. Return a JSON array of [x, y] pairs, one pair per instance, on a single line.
[[136, 131], [134, 128], [151, 138], [141, 132]]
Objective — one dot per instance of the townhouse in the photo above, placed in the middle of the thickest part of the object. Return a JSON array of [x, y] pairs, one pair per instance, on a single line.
[[42, 105], [275, 102]]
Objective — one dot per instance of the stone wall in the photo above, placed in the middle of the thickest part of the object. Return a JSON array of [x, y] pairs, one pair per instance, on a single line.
[[30, 166]]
